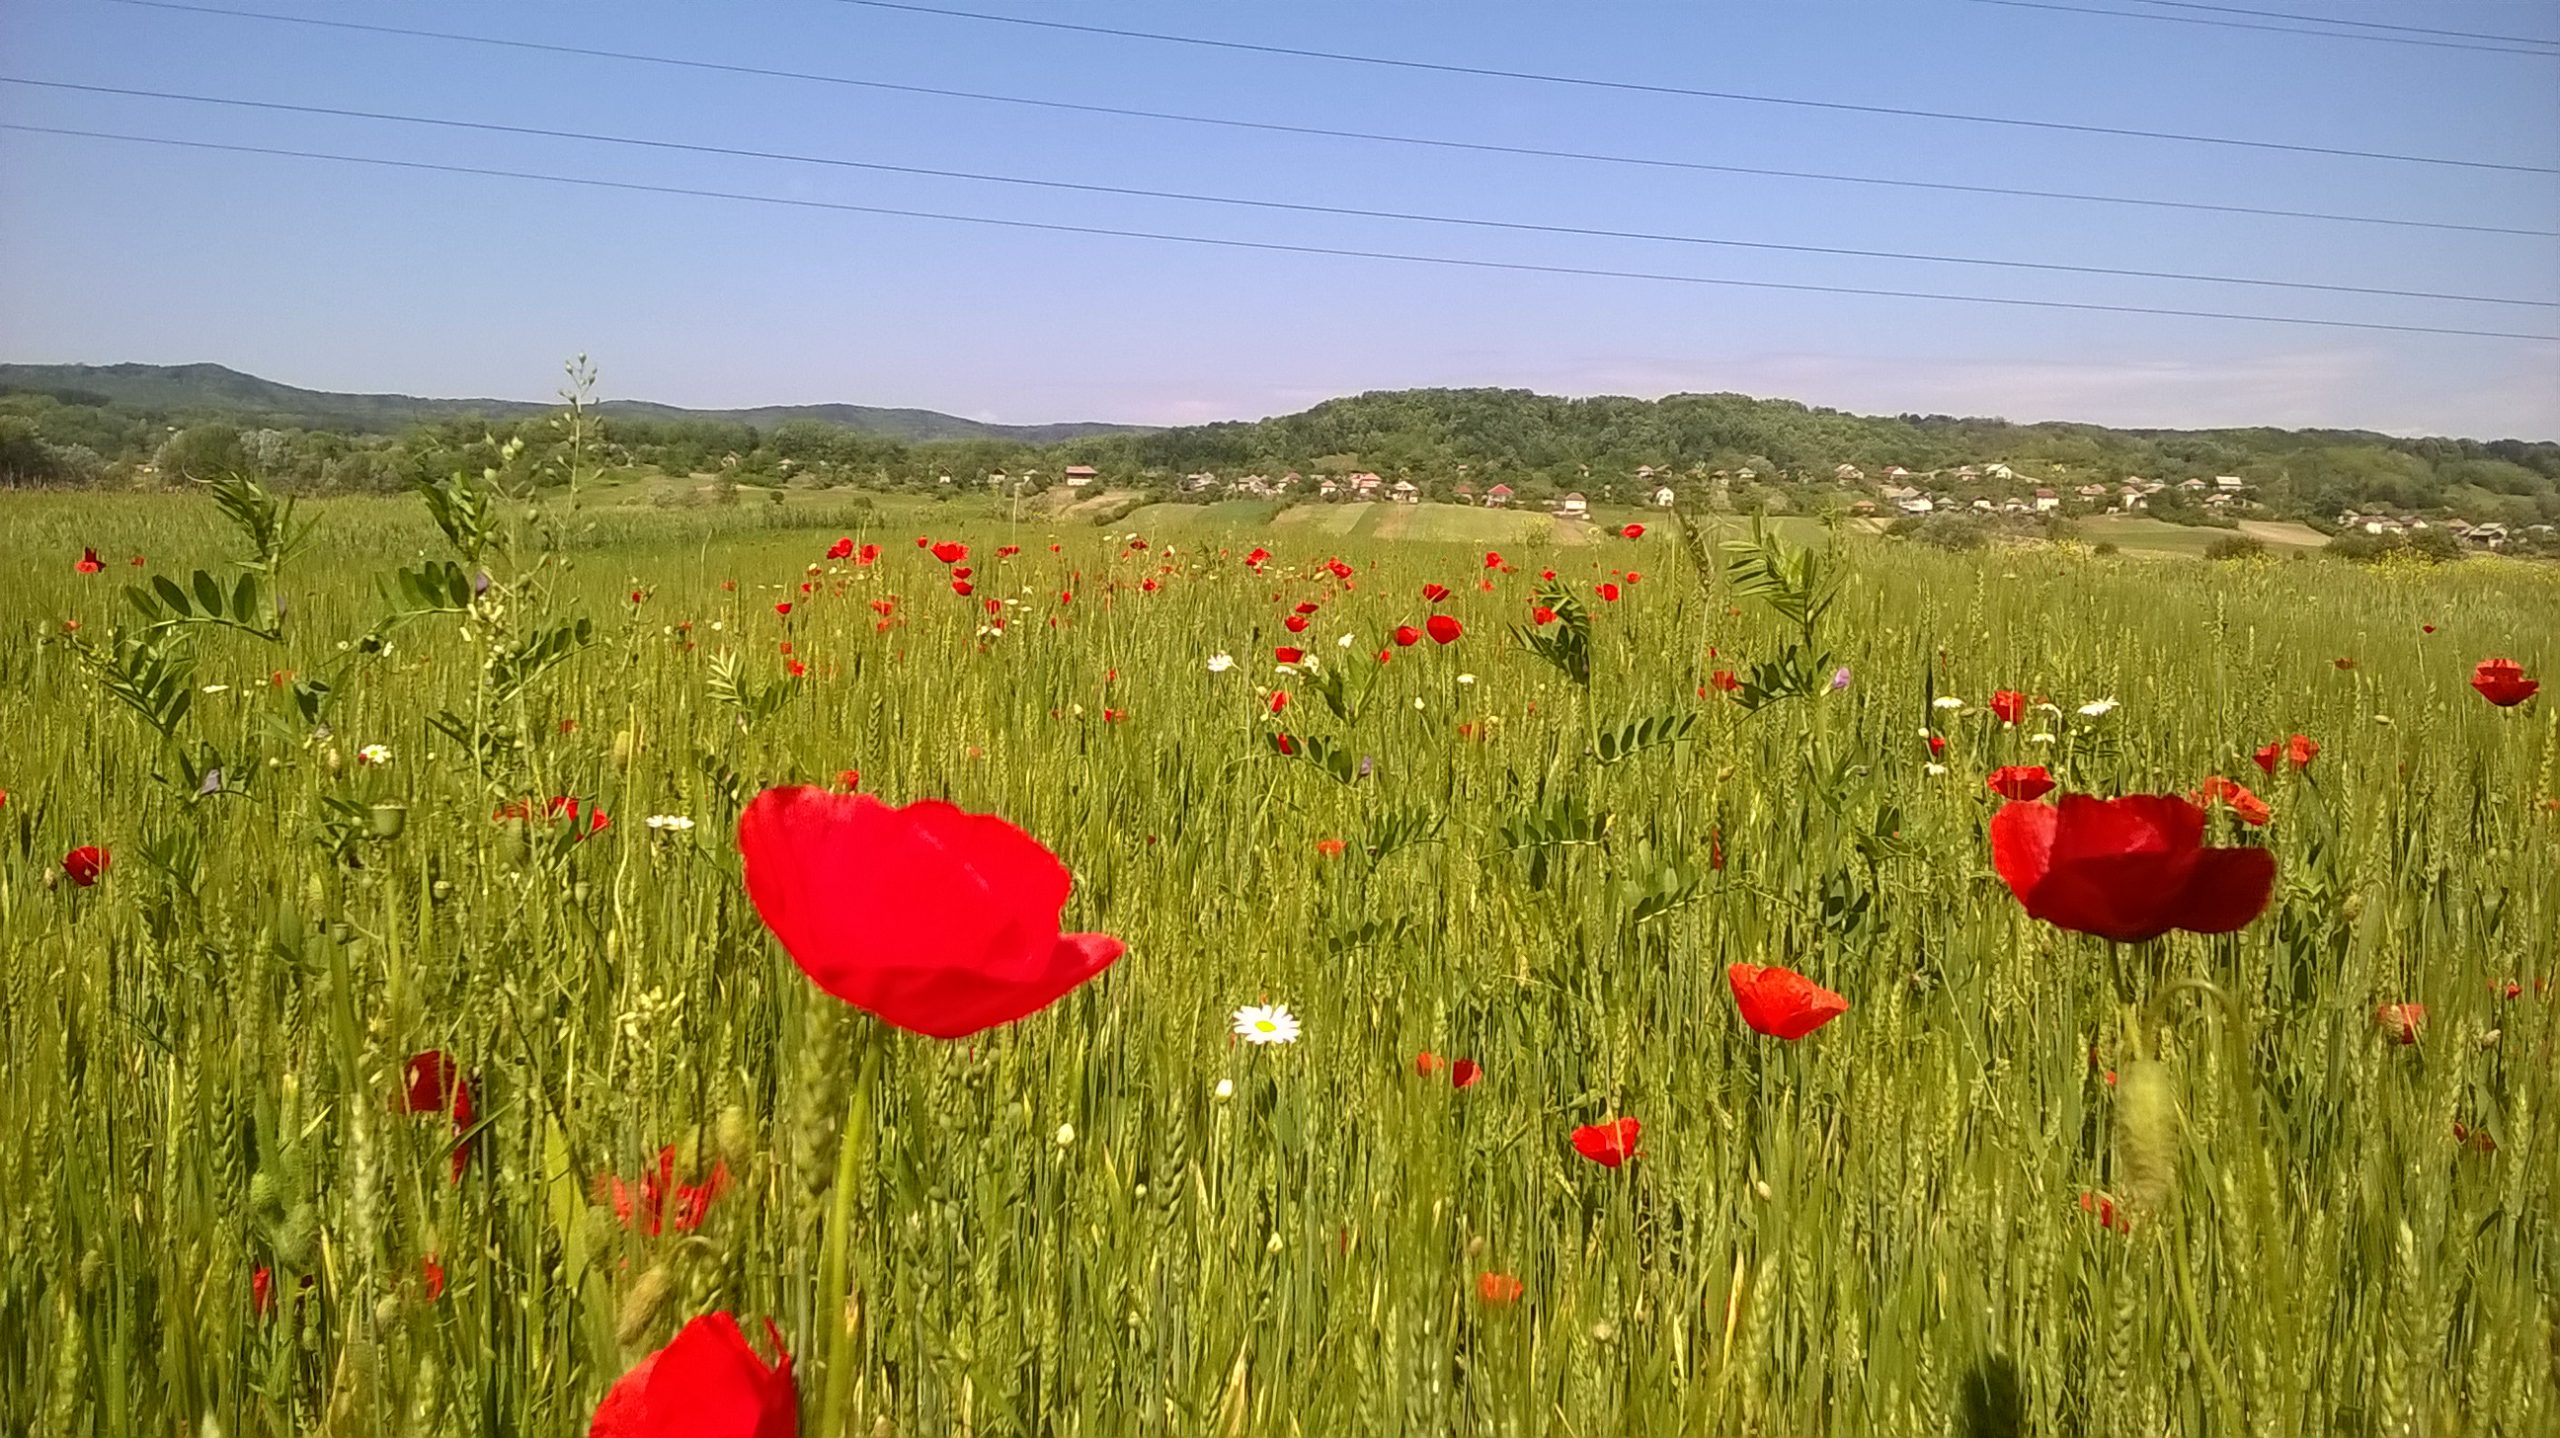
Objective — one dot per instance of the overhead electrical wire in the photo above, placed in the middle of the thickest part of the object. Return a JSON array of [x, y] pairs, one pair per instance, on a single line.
[[1357, 212], [1283, 247], [1380, 137], [2277, 29], [2340, 20], [1641, 87]]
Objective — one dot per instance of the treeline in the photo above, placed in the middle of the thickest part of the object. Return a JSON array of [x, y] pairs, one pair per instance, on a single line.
[[1539, 444]]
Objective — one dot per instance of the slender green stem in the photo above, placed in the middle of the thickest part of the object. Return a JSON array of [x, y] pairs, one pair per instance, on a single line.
[[835, 1293]]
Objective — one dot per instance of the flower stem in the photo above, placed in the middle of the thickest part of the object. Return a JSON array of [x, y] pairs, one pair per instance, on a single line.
[[836, 1311]]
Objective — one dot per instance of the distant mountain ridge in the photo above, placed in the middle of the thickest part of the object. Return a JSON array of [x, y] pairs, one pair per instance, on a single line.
[[212, 390]]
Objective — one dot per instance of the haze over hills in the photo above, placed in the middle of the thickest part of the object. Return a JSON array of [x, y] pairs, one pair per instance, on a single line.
[[217, 390]]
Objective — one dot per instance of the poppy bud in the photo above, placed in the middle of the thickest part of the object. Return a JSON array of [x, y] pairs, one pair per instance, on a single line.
[[2146, 1133], [387, 820], [623, 747], [735, 1131], [641, 1306]]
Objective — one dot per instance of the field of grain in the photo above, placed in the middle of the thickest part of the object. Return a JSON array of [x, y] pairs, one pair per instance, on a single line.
[[404, 1066]]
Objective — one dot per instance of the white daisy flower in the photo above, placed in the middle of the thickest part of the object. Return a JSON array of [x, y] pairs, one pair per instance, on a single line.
[[374, 754], [670, 823], [1066, 1135], [1946, 701], [2039, 738], [1221, 663], [217, 689], [2097, 708], [1466, 679], [1346, 641], [1266, 1024], [1225, 1090], [1936, 770]]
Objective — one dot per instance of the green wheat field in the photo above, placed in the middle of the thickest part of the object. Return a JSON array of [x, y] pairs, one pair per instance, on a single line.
[[225, 1216]]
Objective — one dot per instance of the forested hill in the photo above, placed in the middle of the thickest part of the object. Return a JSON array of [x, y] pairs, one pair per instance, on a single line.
[[1516, 433], [68, 425], [212, 391]]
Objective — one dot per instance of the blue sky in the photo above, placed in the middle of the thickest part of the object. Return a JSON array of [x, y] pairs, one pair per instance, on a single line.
[[345, 277]]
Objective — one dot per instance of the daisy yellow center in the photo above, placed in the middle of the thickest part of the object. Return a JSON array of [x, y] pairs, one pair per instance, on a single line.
[[1266, 1025]]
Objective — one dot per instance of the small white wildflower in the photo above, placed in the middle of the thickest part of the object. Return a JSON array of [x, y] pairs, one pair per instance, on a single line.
[[1221, 663], [1225, 1090], [1936, 770], [217, 689], [1417, 701], [374, 754], [719, 624], [1266, 1024], [1946, 701], [2381, 718], [670, 823], [1346, 641], [1275, 1245], [1066, 1135], [2097, 708], [1466, 679], [2039, 738]]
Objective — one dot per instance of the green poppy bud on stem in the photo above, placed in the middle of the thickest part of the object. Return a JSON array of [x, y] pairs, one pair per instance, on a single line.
[[641, 1305]]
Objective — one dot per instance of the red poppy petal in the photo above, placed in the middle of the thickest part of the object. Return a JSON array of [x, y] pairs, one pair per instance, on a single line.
[[2228, 889]]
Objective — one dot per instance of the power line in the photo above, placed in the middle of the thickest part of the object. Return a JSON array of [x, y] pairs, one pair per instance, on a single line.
[[2278, 29], [1190, 197], [1274, 127], [2338, 20], [1281, 247], [1745, 97]]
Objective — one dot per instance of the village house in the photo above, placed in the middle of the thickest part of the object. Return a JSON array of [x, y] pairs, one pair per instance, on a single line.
[[1497, 497], [1366, 486], [2047, 501], [2229, 483], [1327, 489], [1573, 506], [2091, 492], [1912, 503], [1077, 476], [1998, 471], [2191, 485], [1200, 483], [1405, 493], [1663, 498], [1465, 493], [1847, 473]]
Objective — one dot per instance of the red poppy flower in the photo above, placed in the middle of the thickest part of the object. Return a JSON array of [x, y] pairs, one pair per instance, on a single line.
[[1427, 1063], [1306, 606], [951, 551], [1407, 636], [1499, 1289], [963, 588], [962, 571], [262, 1291], [1608, 1144], [2298, 751], [135, 561], [88, 562], [708, 1383], [1937, 745], [1340, 569], [1279, 700], [1295, 624], [783, 608], [2024, 782], [435, 1084], [795, 668], [1609, 592], [841, 549], [883, 606], [1258, 558], [1782, 1003], [849, 779], [564, 807], [1284, 744], [2248, 808], [1633, 531], [1464, 1073], [867, 554], [431, 1277], [935, 920], [2502, 682], [1434, 593], [2127, 869], [84, 864], [1724, 679], [2402, 1022], [2104, 1208], [1492, 560], [2010, 705], [643, 1206], [1287, 655], [1542, 616], [1444, 628]]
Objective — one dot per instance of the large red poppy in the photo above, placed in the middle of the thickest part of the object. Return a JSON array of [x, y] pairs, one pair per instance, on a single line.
[[1407, 636], [2010, 705], [2502, 682], [2020, 781], [1608, 1144], [436, 1083], [88, 562], [935, 920], [1435, 592], [2127, 869], [1443, 628], [951, 551], [841, 549], [1781, 1002], [708, 1383]]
